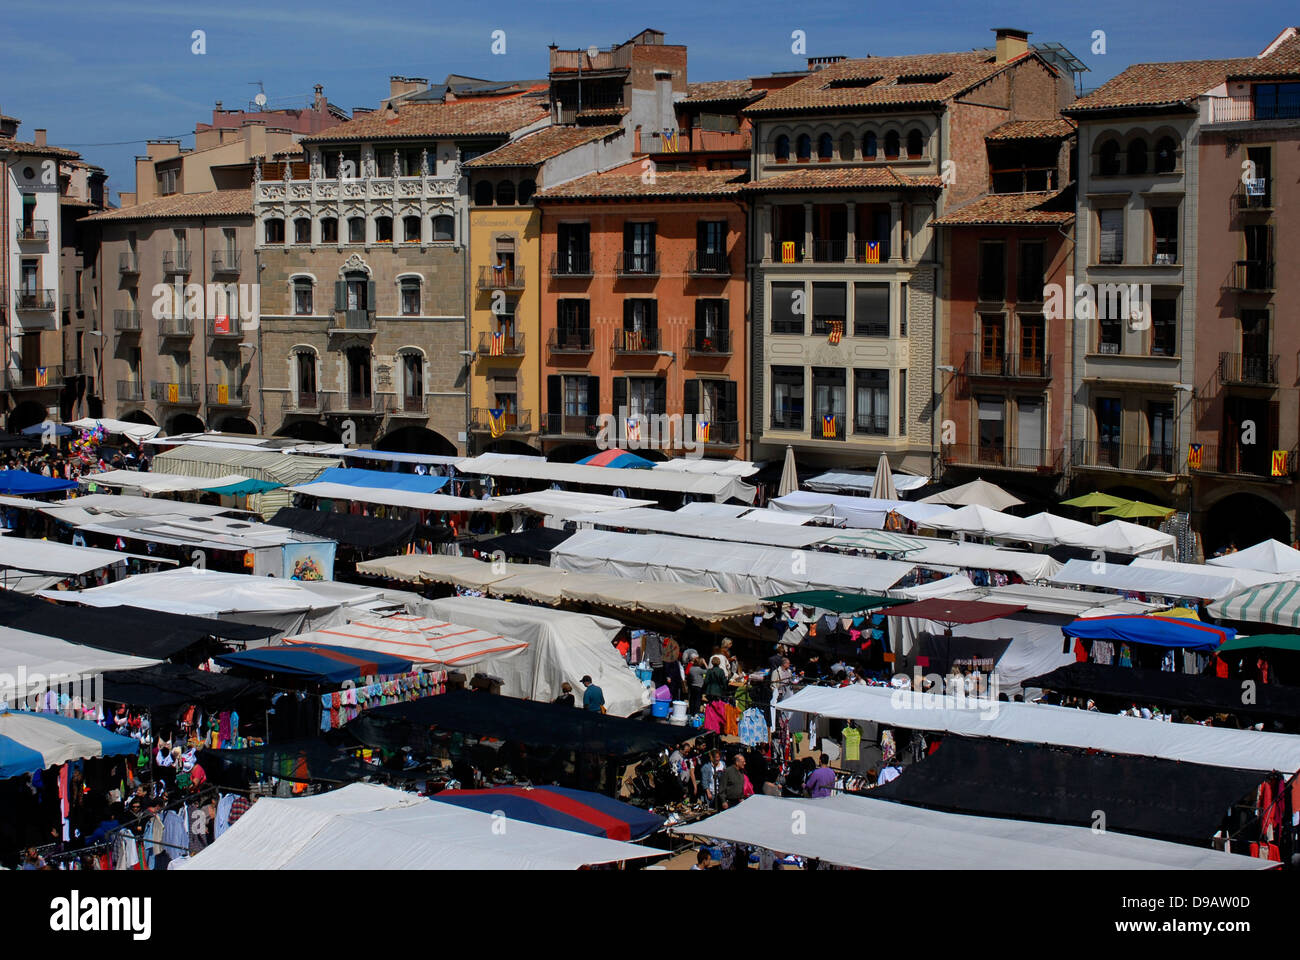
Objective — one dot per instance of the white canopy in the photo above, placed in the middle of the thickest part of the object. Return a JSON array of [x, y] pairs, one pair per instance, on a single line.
[[440, 502], [561, 646], [880, 835], [1120, 536], [976, 492], [30, 662], [270, 466], [981, 521], [1268, 555], [49, 556], [1112, 576], [1243, 576], [729, 567], [137, 433], [569, 504], [716, 468], [1048, 528], [862, 482], [206, 533], [159, 482], [717, 528], [1063, 726], [95, 507], [420, 639], [858, 511], [365, 826], [1039, 598], [945, 587], [668, 481], [954, 555]]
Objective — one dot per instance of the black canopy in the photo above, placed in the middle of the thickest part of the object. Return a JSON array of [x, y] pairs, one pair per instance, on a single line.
[[132, 630], [971, 652], [1163, 799], [353, 530], [1196, 694], [174, 684], [299, 760], [507, 718], [1064, 554], [535, 544]]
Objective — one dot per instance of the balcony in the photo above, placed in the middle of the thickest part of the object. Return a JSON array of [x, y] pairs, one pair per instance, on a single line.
[[177, 394], [353, 320], [700, 263], [220, 327], [128, 263], [829, 426], [500, 344], [830, 251], [1128, 457], [1250, 276], [720, 433], [343, 404], [501, 278], [408, 406], [873, 424], [36, 300], [175, 327], [130, 390], [879, 255], [126, 321], [704, 343], [569, 425], [481, 421], [1012, 366], [571, 263], [570, 341], [636, 341], [225, 263], [32, 231], [791, 419], [1237, 110], [305, 401], [787, 251], [176, 261], [638, 264], [34, 378], [1251, 199], [1249, 369], [1243, 460], [330, 190], [224, 395], [1010, 458]]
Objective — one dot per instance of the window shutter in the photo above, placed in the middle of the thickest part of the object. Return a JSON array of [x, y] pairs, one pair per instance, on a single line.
[[1112, 235], [702, 236], [661, 395], [652, 315], [620, 395], [593, 395], [724, 321], [728, 405], [1272, 424], [554, 394], [340, 294], [628, 232], [627, 314], [700, 324], [584, 314], [371, 304], [691, 398], [650, 238]]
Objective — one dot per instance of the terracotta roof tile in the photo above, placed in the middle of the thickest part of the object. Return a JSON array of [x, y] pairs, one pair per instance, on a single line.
[[1009, 209], [19, 146], [535, 148], [1158, 84], [840, 178], [1282, 62], [1058, 128], [668, 183], [714, 91], [461, 118], [215, 203]]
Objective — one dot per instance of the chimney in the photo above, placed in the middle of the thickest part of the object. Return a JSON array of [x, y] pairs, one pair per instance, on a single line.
[[318, 102], [401, 85], [218, 106], [39, 135], [1011, 43]]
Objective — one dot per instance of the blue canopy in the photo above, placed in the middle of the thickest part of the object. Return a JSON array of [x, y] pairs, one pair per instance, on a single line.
[[20, 483], [578, 810], [381, 480], [617, 459], [1154, 630], [37, 741], [244, 488], [316, 661], [38, 429]]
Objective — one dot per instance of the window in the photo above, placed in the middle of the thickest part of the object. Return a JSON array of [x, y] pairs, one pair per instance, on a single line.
[[356, 230], [410, 296], [1160, 424], [869, 147], [302, 230], [1259, 193], [412, 381], [383, 229], [274, 228], [1030, 272], [641, 396], [830, 308], [891, 145], [526, 190], [992, 271], [711, 326], [1166, 155], [871, 402], [1110, 329], [1108, 413], [803, 148], [1033, 346], [1110, 226], [846, 147], [992, 343], [1164, 327], [444, 229], [787, 398], [871, 309], [640, 324], [411, 229], [1276, 101], [828, 385], [1108, 159], [329, 230], [571, 404], [506, 193], [781, 152], [573, 249], [992, 429], [714, 402], [788, 308], [1164, 234], [573, 324], [357, 293], [1137, 157], [825, 148], [302, 297], [358, 375], [305, 370], [639, 248], [76, 292], [387, 160], [483, 194], [902, 309], [902, 403], [711, 246], [915, 144], [166, 181]]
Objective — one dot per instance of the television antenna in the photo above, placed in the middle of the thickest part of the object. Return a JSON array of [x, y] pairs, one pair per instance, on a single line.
[[260, 98]]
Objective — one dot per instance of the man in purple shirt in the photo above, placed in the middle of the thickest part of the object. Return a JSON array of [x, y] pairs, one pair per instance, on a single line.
[[820, 781]]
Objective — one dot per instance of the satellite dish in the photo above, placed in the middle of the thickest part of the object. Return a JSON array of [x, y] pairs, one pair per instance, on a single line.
[[592, 51], [260, 99]]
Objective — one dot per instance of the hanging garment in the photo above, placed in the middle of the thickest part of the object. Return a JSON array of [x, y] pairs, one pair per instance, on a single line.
[[888, 747], [1125, 655], [852, 743], [753, 728], [1103, 652]]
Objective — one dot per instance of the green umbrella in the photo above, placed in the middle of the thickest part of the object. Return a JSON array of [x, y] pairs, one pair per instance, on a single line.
[[1132, 509], [1095, 500]]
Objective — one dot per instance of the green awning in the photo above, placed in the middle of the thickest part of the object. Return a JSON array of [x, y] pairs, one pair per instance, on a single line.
[[244, 488], [835, 601], [1134, 509], [1269, 641], [1276, 603]]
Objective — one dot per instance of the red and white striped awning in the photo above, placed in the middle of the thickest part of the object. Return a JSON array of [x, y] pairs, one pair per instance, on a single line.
[[420, 639]]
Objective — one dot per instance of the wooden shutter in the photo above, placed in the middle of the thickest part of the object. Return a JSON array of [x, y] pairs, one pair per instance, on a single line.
[[620, 395], [727, 404], [700, 325], [554, 394], [702, 236], [340, 294], [627, 313], [691, 398], [661, 395], [371, 303], [593, 395]]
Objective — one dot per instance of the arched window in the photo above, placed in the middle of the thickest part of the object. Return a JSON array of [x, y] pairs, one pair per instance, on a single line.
[[483, 194], [1137, 157], [410, 298], [846, 147], [803, 148], [1166, 155], [444, 228], [274, 227], [825, 147], [383, 229], [356, 229], [915, 144], [869, 147], [782, 152], [359, 378], [302, 296], [526, 190], [891, 145], [329, 229], [506, 193], [412, 366], [302, 230], [411, 229], [1108, 158], [304, 369]]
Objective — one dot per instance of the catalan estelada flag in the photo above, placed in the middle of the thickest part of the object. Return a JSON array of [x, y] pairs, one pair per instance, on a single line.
[[634, 429], [1280, 463], [498, 347], [828, 425], [42, 376], [836, 331], [670, 140], [701, 431], [497, 422], [1195, 455], [872, 254], [787, 251]]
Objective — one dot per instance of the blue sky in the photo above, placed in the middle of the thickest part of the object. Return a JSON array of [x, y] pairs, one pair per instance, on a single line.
[[105, 76]]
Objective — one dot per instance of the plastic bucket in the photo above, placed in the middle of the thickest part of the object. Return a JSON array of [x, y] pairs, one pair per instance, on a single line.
[[660, 708], [679, 712]]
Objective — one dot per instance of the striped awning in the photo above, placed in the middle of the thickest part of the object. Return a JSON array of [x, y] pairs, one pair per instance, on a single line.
[[1277, 603], [37, 741], [418, 639]]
